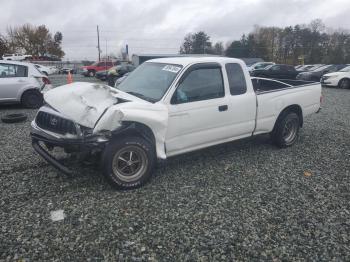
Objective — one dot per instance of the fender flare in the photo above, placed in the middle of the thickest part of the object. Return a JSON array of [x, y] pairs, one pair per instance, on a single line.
[[291, 108]]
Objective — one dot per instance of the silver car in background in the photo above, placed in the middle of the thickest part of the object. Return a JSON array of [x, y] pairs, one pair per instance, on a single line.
[[23, 83]]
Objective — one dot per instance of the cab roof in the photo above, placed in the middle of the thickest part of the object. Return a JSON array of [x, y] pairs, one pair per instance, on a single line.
[[184, 61]]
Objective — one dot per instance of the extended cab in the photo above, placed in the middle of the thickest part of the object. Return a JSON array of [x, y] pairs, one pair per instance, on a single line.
[[167, 107], [96, 67]]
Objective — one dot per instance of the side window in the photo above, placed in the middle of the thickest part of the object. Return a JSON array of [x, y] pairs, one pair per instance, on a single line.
[[236, 79], [200, 84], [100, 64], [10, 70], [276, 68]]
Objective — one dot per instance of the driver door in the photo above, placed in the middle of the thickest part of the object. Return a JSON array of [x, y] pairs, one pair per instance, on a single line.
[[198, 111]]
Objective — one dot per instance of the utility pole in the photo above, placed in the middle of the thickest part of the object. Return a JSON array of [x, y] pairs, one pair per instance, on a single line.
[[106, 57], [98, 44], [273, 43]]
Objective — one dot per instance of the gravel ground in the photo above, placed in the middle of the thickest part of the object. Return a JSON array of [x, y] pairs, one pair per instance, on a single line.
[[245, 200]]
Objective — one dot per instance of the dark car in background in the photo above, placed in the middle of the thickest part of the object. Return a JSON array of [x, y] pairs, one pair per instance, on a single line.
[[102, 75], [279, 71], [316, 74], [66, 70], [118, 71]]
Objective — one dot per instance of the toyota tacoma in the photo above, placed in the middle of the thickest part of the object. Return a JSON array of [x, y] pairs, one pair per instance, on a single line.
[[167, 107]]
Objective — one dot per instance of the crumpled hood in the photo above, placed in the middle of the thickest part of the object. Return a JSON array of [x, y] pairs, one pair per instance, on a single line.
[[84, 103]]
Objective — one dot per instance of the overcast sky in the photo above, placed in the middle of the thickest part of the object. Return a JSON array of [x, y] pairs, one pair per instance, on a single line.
[[158, 26]]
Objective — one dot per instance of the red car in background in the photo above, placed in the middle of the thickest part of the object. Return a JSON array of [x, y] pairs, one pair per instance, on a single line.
[[95, 67]]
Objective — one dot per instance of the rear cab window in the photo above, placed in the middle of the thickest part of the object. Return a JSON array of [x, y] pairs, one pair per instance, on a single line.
[[236, 79], [263, 85]]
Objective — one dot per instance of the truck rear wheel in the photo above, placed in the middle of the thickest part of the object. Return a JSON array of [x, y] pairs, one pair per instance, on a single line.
[[128, 162], [286, 130]]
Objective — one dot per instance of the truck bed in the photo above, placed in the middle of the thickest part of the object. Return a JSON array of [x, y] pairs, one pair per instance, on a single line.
[[274, 95]]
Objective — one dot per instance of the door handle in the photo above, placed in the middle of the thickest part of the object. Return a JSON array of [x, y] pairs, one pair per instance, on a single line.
[[223, 108]]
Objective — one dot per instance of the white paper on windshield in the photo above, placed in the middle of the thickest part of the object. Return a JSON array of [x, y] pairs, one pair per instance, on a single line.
[[171, 68]]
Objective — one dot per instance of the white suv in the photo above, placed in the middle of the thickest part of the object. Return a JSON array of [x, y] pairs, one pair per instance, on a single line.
[[22, 83], [340, 79]]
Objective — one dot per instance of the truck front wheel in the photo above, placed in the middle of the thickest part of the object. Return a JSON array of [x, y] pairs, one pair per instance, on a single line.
[[286, 130], [128, 162]]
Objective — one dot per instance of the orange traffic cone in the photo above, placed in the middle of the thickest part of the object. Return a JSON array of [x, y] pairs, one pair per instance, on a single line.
[[69, 78]]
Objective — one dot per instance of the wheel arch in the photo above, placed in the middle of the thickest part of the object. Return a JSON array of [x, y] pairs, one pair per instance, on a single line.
[[136, 129], [291, 108], [26, 90], [344, 78]]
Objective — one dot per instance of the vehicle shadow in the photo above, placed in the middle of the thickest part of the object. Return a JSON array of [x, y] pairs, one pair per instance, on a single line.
[[89, 174]]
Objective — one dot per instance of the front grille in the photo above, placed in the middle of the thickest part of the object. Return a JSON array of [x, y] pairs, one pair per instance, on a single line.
[[55, 123]]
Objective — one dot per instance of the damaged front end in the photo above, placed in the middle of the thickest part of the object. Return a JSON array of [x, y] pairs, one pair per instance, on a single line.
[[82, 118], [52, 129], [69, 120]]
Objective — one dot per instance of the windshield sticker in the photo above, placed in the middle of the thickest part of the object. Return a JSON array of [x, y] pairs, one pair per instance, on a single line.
[[171, 68]]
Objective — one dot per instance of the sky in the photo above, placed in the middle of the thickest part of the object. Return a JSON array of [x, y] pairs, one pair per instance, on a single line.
[[159, 26]]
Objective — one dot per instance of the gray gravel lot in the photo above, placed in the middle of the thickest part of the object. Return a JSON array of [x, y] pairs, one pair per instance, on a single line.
[[246, 200]]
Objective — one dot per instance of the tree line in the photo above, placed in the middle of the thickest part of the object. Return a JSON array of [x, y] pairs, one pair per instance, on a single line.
[[309, 44], [31, 40]]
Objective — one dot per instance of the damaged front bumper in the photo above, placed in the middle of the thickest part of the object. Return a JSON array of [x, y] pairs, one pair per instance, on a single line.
[[70, 145]]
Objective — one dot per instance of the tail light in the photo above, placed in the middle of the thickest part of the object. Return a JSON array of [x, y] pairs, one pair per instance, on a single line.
[[46, 81]]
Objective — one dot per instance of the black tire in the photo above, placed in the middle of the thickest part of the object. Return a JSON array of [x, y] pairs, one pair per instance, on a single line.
[[14, 118], [111, 80], [91, 73], [125, 170], [344, 83], [32, 99], [286, 130]]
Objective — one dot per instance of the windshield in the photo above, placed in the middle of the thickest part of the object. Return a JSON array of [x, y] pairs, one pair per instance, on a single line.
[[345, 69], [150, 80]]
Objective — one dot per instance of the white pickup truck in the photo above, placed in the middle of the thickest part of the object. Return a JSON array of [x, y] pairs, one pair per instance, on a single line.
[[16, 57], [167, 107]]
